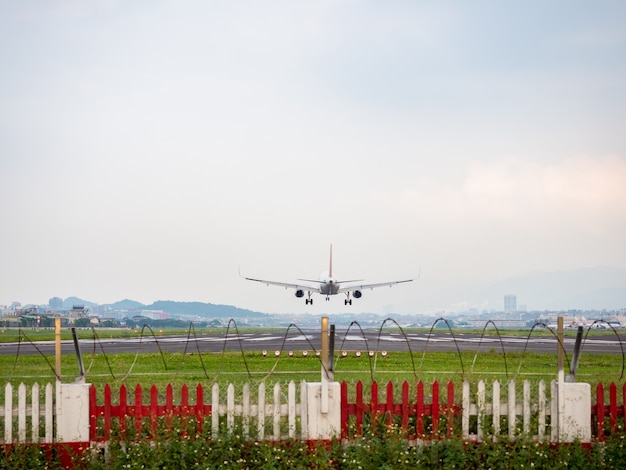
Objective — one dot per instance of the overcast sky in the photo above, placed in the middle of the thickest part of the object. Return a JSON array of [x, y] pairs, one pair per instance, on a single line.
[[149, 150]]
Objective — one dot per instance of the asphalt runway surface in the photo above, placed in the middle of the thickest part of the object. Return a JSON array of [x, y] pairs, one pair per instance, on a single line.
[[298, 341]]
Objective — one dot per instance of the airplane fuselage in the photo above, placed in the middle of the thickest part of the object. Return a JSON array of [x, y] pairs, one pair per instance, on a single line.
[[329, 287]]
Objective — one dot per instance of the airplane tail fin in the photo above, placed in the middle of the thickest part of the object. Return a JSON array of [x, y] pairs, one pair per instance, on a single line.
[[330, 268]]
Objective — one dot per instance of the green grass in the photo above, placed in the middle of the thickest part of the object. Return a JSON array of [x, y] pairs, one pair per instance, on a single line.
[[234, 367], [191, 368]]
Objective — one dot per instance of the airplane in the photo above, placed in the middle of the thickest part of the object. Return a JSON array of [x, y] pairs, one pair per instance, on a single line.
[[328, 285], [576, 322]]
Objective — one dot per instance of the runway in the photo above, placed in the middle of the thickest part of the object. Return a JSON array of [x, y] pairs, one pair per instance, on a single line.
[[310, 341]]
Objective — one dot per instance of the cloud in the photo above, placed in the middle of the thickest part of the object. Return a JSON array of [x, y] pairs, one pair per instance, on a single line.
[[522, 193]]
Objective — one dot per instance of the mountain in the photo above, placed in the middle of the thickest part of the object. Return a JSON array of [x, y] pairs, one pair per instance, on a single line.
[[126, 304], [202, 309]]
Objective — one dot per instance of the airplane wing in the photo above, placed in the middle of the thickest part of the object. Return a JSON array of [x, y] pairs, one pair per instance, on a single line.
[[286, 285], [372, 286]]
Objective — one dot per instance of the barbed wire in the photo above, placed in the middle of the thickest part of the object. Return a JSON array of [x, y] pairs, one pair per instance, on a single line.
[[192, 337]]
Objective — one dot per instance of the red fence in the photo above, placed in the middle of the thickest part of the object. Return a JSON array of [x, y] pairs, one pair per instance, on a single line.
[[142, 414], [600, 411], [418, 414], [417, 419]]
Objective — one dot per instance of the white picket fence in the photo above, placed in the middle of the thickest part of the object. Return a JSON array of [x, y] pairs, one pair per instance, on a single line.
[[277, 410], [29, 414], [520, 413]]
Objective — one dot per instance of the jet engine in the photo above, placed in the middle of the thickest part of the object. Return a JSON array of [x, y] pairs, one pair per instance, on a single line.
[[357, 294], [299, 293]]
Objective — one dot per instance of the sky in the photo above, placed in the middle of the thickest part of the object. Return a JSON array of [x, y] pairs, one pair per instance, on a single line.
[[154, 150]]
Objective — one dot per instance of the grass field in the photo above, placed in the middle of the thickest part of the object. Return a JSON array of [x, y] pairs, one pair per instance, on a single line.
[[253, 367]]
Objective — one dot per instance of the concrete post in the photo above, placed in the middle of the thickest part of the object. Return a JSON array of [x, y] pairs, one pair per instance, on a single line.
[[323, 416], [324, 399], [574, 412], [73, 412], [573, 401]]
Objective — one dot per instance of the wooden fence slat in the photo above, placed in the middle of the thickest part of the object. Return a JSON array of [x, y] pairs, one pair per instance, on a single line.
[[359, 408], [624, 406], [276, 412], [138, 409], [93, 414], [420, 410], [613, 406], [481, 410], [389, 404], [123, 410], [200, 410], [36, 415], [344, 409], [526, 407], [554, 411], [21, 413], [304, 423], [512, 410], [8, 414], [405, 407], [154, 403], [169, 407], [434, 411], [496, 409], [261, 412], [245, 412], [465, 416], [184, 408], [215, 407], [600, 411], [49, 414], [230, 408], [107, 412], [451, 409], [291, 395], [541, 418], [375, 410]]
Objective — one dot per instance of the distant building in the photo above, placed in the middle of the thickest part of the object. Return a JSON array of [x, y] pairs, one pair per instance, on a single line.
[[510, 304], [78, 311]]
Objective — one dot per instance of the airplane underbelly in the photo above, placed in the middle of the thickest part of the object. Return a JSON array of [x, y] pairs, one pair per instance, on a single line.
[[329, 289]]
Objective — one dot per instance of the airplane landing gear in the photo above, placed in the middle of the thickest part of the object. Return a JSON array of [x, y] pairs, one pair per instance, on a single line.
[[308, 300], [348, 300]]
